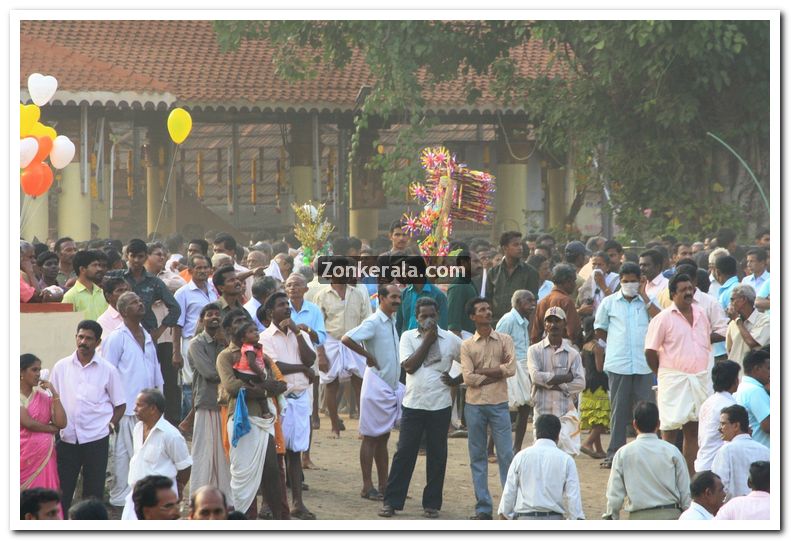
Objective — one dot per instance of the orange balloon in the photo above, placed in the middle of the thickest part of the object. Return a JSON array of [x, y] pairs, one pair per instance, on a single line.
[[36, 179], [44, 148]]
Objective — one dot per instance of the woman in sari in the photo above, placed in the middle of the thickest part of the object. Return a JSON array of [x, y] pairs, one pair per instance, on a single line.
[[41, 417]]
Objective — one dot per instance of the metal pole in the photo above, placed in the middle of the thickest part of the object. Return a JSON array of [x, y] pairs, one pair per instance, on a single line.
[[234, 157], [84, 159], [340, 183], [317, 196]]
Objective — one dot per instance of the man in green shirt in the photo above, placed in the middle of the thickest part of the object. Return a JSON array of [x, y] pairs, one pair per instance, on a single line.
[[87, 295], [510, 275], [461, 291]]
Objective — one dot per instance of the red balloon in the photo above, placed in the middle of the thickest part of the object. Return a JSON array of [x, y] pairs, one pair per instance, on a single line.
[[36, 179], [44, 148]]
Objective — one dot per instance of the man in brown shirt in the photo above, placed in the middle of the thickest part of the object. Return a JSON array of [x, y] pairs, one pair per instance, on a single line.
[[564, 277], [487, 359], [253, 456]]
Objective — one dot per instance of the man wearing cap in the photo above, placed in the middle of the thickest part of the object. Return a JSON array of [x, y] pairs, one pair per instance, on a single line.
[[555, 368], [577, 256]]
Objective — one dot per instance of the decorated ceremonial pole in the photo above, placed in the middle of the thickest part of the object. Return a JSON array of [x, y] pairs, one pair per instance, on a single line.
[[450, 191]]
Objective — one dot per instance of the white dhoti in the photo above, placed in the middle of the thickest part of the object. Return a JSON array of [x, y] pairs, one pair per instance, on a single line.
[[679, 396], [186, 370], [344, 363], [209, 464], [247, 461], [122, 454], [295, 420], [129, 506], [519, 386], [380, 405]]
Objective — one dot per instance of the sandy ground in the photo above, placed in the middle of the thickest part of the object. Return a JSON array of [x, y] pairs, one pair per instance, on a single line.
[[334, 488]]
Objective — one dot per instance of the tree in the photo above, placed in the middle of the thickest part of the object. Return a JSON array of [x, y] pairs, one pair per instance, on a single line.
[[635, 103]]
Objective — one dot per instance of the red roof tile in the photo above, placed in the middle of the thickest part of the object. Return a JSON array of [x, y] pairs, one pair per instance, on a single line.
[[183, 58]]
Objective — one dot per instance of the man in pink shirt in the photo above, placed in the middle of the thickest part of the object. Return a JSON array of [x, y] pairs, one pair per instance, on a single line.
[[677, 348], [756, 505], [110, 320]]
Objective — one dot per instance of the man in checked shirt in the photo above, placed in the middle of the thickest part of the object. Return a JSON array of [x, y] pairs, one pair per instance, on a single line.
[[555, 368]]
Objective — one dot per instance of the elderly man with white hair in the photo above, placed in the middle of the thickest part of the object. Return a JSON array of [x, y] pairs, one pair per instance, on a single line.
[[714, 287], [516, 324], [749, 328]]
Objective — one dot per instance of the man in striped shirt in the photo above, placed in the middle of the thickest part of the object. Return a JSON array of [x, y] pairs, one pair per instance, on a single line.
[[555, 368]]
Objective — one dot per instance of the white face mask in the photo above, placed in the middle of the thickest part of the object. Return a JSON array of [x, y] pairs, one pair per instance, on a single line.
[[630, 289]]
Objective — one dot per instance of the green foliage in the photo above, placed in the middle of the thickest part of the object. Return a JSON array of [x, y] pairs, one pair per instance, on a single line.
[[638, 95]]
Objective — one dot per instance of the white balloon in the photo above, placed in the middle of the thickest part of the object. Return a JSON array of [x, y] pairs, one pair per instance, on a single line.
[[28, 147], [41, 88], [62, 152]]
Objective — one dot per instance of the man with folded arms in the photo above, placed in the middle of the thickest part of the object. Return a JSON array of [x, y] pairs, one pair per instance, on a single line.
[[487, 360]]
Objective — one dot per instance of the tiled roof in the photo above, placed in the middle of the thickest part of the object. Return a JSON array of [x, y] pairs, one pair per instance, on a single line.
[[162, 63]]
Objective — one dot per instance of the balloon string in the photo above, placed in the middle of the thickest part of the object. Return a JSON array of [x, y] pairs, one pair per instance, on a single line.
[[165, 195]]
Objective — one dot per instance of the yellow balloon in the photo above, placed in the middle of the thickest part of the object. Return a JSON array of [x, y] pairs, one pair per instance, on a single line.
[[179, 125], [28, 117], [40, 130]]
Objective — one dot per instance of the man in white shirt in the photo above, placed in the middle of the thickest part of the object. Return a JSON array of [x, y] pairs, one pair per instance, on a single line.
[[94, 401], [725, 379], [651, 268], [132, 352], [749, 329], [159, 448], [426, 354], [650, 473], [542, 480], [226, 244], [262, 288], [732, 461], [707, 494]]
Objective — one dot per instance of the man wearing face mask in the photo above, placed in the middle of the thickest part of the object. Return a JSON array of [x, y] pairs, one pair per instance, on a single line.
[[621, 325]]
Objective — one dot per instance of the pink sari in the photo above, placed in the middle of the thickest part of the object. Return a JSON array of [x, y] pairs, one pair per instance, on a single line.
[[39, 465]]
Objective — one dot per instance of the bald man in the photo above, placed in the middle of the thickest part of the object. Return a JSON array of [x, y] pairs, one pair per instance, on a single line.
[[208, 503]]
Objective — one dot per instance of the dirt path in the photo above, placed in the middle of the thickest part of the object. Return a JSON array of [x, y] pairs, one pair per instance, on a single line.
[[335, 487]]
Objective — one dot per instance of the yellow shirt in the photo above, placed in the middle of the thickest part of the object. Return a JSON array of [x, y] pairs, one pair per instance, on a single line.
[[91, 303], [341, 316]]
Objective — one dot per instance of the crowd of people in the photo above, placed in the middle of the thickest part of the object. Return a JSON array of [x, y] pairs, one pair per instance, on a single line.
[[201, 370]]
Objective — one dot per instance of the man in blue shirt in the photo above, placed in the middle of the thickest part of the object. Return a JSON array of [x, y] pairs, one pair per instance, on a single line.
[[756, 264], [621, 325], [752, 394], [381, 394], [516, 324], [725, 269], [308, 318]]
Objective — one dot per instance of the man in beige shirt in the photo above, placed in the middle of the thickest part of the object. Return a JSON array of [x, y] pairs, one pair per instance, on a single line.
[[651, 473], [487, 359], [344, 308], [749, 329]]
